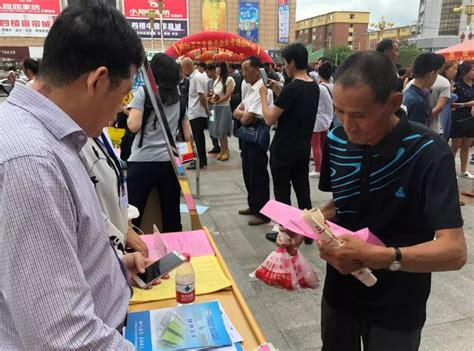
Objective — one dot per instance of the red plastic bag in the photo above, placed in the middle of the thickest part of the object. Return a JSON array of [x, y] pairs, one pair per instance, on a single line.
[[290, 272]]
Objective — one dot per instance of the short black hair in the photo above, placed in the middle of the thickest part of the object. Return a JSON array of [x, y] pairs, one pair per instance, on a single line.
[[402, 71], [202, 65], [464, 68], [370, 68], [326, 70], [31, 64], [87, 36], [255, 62], [296, 52], [385, 44], [209, 67], [426, 63]]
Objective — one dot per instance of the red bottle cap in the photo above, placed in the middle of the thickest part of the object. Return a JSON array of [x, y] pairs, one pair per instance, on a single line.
[[187, 255]]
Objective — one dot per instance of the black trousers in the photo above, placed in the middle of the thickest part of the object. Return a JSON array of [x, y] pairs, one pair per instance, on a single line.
[[257, 181], [142, 177], [287, 173], [344, 331], [198, 125], [215, 143]]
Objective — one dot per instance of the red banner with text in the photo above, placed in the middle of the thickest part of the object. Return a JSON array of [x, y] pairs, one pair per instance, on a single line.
[[172, 9], [175, 18]]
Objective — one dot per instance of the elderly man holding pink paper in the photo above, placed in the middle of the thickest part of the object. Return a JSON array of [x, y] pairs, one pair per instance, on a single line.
[[396, 178]]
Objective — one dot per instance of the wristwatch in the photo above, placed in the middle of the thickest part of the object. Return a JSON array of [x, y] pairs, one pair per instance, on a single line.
[[397, 263]]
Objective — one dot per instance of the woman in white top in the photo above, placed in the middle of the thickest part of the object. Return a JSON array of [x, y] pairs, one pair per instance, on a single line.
[[222, 125], [324, 116], [106, 174]]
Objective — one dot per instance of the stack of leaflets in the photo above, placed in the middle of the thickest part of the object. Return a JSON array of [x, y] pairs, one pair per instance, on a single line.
[[191, 327]]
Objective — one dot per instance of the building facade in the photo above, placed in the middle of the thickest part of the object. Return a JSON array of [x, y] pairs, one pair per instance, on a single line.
[[438, 25], [397, 33], [269, 23], [334, 29]]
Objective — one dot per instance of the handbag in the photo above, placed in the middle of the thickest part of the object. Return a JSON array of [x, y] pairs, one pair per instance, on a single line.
[[257, 133], [465, 125]]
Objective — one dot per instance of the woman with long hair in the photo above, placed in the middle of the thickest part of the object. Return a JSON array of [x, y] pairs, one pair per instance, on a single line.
[[462, 139], [221, 127], [449, 71], [149, 164]]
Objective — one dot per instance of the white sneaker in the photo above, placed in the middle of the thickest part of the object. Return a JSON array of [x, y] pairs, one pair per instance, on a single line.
[[466, 175], [314, 174]]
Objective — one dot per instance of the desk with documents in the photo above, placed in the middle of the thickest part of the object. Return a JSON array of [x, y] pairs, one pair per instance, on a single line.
[[231, 300]]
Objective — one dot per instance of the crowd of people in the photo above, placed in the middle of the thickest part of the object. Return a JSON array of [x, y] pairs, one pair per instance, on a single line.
[[65, 196]]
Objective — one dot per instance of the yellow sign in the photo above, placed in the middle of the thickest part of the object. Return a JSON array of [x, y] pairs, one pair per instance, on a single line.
[[214, 15], [209, 278]]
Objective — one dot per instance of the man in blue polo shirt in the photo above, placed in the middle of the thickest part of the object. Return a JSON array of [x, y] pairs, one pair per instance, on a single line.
[[417, 96], [398, 179]]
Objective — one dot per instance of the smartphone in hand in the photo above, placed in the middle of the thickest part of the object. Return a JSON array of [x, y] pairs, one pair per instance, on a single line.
[[158, 269], [264, 75]]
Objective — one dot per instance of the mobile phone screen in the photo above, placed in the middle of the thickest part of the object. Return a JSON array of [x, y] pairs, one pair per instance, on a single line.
[[159, 268], [263, 73]]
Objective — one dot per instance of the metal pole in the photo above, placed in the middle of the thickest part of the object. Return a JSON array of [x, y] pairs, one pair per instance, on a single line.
[[151, 14], [161, 32]]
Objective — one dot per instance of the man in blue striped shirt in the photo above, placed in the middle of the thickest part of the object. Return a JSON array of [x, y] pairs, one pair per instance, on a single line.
[[397, 178]]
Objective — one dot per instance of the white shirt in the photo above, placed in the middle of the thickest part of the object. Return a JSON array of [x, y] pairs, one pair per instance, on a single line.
[[102, 169], [197, 85], [441, 88], [325, 109], [218, 89], [252, 102]]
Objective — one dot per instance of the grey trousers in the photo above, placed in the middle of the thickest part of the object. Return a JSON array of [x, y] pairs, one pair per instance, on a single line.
[[345, 332]]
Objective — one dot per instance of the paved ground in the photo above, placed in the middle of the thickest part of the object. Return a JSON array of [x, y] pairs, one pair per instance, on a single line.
[[290, 320]]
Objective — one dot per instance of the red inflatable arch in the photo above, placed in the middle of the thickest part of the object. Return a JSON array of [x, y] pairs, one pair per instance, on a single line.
[[207, 41]]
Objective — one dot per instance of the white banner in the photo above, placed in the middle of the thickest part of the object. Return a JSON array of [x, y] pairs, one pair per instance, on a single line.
[[283, 21], [25, 25]]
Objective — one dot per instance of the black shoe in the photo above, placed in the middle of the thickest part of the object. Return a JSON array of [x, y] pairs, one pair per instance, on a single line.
[[192, 166], [215, 151], [308, 241], [272, 236]]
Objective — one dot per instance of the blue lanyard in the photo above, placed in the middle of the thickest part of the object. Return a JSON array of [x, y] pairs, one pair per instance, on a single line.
[[111, 154]]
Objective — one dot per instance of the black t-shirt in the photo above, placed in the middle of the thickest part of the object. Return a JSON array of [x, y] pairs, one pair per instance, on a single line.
[[292, 140], [403, 189]]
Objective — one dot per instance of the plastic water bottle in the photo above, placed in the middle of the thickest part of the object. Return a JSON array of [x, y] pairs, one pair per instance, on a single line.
[[185, 282]]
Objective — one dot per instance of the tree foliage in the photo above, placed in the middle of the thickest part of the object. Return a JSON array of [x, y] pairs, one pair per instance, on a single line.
[[408, 53], [339, 53]]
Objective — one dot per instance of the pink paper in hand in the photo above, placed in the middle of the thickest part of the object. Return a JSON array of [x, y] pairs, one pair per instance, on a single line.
[[289, 217], [292, 219], [364, 234]]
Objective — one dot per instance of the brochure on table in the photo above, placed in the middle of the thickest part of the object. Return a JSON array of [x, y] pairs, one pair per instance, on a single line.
[[197, 326]]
